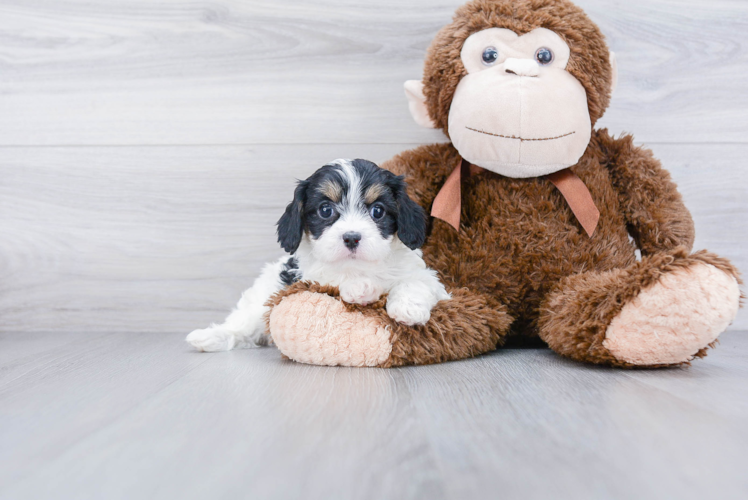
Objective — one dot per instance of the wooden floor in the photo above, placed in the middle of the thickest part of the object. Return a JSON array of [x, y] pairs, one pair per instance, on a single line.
[[141, 415]]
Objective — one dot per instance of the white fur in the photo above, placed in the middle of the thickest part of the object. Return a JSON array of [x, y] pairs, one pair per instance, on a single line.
[[244, 327], [413, 288], [379, 265]]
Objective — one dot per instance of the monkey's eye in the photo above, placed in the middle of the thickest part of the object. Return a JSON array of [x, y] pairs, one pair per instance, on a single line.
[[490, 55], [544, 56], [377, 211], [325, 210]]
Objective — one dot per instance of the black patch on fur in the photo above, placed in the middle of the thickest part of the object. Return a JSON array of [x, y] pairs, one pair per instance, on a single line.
[[404, 216], [411, 219], [370, 175], [291, 223], [314, 223], [289, 274]]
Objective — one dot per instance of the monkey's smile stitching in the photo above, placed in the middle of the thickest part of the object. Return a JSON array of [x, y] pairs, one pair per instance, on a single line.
[[520, 138]]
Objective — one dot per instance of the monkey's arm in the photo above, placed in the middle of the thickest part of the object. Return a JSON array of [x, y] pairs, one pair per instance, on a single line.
[[425, 169], [654, 210]]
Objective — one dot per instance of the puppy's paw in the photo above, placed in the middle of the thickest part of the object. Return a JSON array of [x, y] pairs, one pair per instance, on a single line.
[[213, 339], [409, 311], [360, 292]]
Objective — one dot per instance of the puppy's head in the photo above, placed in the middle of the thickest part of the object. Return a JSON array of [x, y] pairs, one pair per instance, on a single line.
[[351, 209]]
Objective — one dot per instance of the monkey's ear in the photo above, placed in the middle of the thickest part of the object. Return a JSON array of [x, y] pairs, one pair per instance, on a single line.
[[291, 224], [417, 103], [614, 68]]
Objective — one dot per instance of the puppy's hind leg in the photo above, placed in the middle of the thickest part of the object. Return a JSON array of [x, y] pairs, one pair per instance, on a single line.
[[244, 327]]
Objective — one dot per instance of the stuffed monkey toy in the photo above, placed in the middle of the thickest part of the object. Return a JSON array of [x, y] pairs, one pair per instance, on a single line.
[[537, 215]]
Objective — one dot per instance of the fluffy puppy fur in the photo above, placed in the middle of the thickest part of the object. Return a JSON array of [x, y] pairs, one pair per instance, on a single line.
[[350, 225]]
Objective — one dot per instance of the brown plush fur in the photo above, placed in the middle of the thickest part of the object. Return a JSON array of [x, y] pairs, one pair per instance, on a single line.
[[519, 237], [576, 315], [521, 264], [589, 60]]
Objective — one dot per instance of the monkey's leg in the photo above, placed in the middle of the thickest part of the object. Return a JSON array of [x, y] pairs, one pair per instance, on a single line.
[[310, 324], [665, 310]]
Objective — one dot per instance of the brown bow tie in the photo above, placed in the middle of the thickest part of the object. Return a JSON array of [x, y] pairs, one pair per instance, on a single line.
[[448, 203]]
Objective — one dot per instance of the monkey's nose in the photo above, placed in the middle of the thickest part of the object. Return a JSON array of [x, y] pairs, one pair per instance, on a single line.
[[351, 239], [522, 67]]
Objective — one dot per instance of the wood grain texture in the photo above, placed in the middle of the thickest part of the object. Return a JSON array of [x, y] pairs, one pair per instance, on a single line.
[[164, 239], [232, 72], [101, 239], [137, 415]]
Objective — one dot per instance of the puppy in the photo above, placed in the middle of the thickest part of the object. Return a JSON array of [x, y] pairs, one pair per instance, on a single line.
[[351, 225]]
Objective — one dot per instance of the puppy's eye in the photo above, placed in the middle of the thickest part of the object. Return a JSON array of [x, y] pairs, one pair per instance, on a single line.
[[490, 56], [377, 211], [326, 211], [544, 56]]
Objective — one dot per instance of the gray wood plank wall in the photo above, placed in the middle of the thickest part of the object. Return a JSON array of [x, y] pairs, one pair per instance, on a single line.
[[147, 148]]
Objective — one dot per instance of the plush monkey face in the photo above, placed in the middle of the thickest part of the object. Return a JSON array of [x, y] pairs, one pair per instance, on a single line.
[[521, 98], [518, 112]]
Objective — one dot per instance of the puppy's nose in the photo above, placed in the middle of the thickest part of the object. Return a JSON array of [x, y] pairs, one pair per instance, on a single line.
[[351, 239]]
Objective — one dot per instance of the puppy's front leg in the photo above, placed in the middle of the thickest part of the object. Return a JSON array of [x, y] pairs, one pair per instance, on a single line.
[[360, 291], [410, 301], [244, 327]]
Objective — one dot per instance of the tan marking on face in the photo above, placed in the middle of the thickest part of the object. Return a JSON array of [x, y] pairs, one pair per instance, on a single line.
[[374, 192], [332, 190]]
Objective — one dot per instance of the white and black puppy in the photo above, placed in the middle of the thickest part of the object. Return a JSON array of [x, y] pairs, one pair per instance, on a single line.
[[351, 225]]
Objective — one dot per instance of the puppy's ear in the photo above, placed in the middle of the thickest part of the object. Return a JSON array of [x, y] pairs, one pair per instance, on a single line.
[[411, 219], [291, 223]]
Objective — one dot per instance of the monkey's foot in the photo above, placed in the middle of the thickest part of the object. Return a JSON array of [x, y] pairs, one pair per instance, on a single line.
[[675, 319], [316, 328], [311, 324], [664, 310]]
